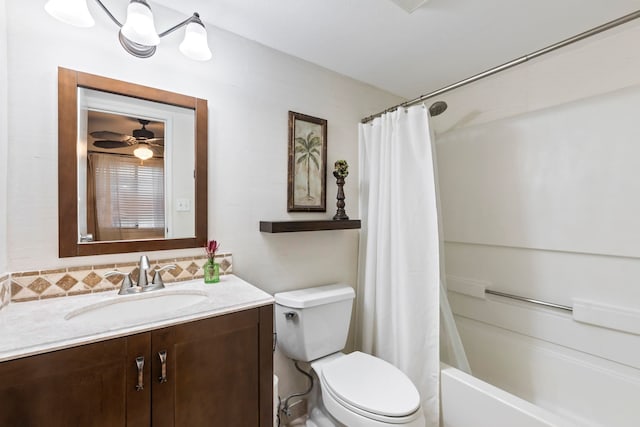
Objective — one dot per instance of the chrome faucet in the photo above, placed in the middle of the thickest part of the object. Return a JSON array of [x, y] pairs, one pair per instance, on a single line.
[[143, 269], [142, 285]]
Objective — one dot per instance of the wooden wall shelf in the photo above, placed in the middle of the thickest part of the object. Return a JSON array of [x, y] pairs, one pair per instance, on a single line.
[[314, 225]]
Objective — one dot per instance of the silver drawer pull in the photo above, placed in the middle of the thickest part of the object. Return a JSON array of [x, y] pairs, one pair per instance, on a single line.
[[289, 315], [140, 366], [163, 360]]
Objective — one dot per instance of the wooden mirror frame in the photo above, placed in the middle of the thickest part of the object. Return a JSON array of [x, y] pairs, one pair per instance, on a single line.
[[68, 83]]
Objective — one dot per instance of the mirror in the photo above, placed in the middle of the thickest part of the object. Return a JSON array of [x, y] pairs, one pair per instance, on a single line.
[[132, 167], [135, 171]]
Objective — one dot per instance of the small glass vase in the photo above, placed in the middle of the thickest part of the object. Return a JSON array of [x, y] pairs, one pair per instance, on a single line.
[[211, 272]]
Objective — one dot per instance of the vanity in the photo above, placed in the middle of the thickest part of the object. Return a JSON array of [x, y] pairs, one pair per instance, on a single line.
[[132, 177], [204, 358]]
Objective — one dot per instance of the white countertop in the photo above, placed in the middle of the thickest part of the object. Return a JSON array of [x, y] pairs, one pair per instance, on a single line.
[[35, 327]]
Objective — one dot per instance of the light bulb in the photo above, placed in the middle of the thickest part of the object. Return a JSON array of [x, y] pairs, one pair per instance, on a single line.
[[143, 152], [139, 27], [195, 45]]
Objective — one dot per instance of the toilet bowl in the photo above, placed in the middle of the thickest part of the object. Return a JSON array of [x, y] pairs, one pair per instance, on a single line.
[[355, 389], [360, 390]]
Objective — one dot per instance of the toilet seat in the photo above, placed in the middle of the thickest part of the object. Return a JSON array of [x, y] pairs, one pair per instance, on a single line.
[[370, 387]]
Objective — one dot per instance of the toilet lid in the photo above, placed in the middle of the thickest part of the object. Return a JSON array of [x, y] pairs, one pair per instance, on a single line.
[[372, 385]]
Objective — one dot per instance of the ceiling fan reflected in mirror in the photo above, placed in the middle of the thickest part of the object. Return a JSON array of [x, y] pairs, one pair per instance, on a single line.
[[146, 143]]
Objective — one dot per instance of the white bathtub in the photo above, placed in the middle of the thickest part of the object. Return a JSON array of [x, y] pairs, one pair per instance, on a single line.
[[564, 371], [469, 402]]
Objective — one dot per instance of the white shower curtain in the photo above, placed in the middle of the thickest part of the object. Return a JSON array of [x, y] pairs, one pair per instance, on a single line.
[[401, 280], [399, 274]]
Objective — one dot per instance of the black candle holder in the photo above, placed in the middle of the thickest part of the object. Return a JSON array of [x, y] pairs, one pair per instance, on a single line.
[[340, 173]]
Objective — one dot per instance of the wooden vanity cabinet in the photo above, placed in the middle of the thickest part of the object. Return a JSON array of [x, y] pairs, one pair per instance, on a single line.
[[218, 371], [81, 386]]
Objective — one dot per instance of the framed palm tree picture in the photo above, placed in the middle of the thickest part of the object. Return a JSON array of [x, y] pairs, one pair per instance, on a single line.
[[307, 163]]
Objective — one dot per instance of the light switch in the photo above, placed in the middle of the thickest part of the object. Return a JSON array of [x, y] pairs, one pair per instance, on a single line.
[[183, 205]]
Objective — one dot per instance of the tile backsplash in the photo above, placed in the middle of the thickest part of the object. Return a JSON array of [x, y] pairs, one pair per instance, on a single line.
[[5, 289], [33, 285]]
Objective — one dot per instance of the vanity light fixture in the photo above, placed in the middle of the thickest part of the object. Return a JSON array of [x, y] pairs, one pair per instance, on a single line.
[[138, 34], [143, 152]]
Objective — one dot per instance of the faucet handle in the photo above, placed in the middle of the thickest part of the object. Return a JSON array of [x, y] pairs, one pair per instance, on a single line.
[[127, 284], [157, 281]]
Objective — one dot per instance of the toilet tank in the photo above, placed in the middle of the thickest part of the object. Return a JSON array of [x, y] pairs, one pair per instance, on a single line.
[[314, 322]]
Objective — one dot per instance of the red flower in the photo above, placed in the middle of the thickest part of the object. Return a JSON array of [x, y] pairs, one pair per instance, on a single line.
[[211, 248]]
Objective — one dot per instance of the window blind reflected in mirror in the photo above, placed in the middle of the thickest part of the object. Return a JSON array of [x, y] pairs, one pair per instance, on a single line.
[[125, 197]]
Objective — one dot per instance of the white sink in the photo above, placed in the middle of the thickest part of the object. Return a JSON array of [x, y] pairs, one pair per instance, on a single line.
[[128, 308]]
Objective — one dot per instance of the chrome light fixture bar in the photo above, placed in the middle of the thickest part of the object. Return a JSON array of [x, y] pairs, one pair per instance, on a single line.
[[138, 34]]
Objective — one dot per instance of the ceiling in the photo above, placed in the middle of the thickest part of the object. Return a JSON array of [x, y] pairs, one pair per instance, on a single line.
[[408, 54]]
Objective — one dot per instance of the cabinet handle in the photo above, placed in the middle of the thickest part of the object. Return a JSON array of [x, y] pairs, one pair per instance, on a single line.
[[163, 360], [140, 366]]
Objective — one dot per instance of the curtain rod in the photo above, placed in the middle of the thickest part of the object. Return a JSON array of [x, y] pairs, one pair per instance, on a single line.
[[604, 27]]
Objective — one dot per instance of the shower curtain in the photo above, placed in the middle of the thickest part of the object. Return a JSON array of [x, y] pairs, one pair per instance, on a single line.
[[399, 278]]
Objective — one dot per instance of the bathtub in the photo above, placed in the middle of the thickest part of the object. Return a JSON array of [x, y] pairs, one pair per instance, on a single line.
[[469, 402], [535, 366]]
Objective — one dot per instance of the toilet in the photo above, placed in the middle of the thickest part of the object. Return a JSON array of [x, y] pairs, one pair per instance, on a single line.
[[355, 389]]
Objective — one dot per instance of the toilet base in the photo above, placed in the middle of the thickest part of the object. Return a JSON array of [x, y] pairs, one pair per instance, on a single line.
[[318, 414], [319, 419]]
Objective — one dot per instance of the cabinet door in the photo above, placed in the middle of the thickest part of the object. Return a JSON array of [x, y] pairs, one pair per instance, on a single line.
[[80, 386], [215, 371]]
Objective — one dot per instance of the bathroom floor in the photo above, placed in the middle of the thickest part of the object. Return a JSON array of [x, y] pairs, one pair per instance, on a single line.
[[298, 422]]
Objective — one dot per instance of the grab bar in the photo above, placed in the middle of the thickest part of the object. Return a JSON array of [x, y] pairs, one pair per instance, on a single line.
[[530, 300]]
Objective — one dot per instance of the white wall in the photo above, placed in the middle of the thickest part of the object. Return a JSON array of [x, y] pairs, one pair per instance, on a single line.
[[539, 178], [597, 65], [3, 139], [249, 87], [250, 90]]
